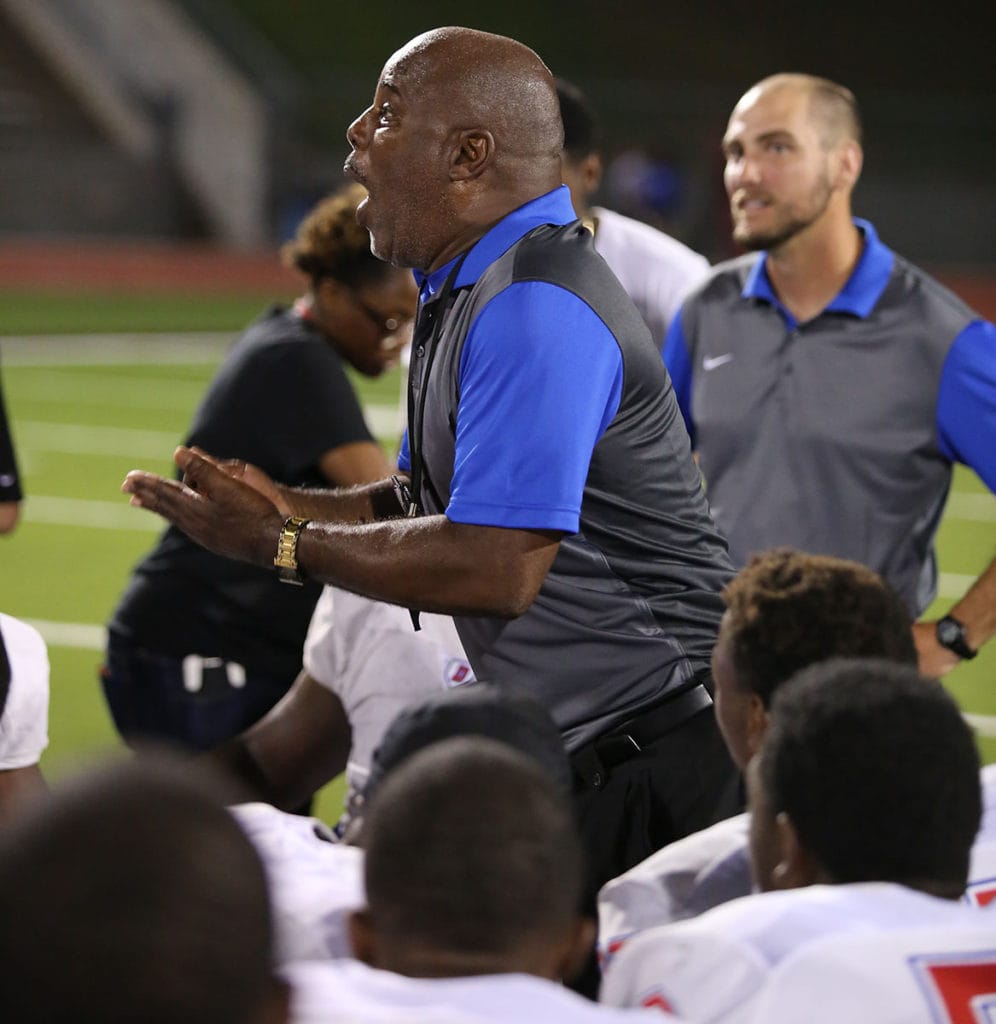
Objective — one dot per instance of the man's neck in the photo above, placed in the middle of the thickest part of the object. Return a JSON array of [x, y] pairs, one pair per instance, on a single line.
[[460, 243], [435, 963], [483, 214], [808, 271]]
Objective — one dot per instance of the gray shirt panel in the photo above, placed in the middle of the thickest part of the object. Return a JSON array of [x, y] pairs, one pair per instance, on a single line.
[[823, 436], [631, 606]]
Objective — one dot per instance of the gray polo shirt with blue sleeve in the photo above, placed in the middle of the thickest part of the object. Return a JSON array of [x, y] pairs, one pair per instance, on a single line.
[[547, 407], [837, 435]]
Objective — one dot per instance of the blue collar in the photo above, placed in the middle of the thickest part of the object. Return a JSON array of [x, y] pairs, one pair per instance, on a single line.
[[552, 208], [858, 296]]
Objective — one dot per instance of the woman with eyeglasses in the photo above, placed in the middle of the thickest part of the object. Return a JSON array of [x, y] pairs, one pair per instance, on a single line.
[[200, 647]]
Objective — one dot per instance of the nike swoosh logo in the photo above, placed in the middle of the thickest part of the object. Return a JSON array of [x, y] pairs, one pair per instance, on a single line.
[[711, 362]]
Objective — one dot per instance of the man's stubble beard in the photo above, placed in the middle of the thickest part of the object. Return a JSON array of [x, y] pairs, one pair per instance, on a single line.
[[780, 234]]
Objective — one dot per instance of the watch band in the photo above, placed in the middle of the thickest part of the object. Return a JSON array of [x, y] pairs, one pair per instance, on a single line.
[[288, 571], [951, 634]]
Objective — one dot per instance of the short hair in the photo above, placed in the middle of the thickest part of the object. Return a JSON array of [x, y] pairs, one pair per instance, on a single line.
[[837, 108], [582, 135], [878, 772], [787, 610], [471, 848], [132, 895], [834, 105], [505, 713], [331, 243]]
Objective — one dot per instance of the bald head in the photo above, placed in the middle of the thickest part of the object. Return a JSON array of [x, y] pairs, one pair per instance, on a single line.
[[464, 128], [490, 81], [793, 157], [831, 107]]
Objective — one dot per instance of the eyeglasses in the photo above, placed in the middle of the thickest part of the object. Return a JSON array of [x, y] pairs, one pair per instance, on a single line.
[[386, 324]]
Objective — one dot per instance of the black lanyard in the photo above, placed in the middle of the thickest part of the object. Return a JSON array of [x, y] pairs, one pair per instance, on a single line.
[[416, 426]]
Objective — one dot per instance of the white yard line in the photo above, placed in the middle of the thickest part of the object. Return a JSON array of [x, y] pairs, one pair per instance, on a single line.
[[65, 388], [71, 634], [125, 349], [954, 584], [384, 421], [73, 439], [70, 438], [971, 508], [98, 515], [84, 636], [984, 725]]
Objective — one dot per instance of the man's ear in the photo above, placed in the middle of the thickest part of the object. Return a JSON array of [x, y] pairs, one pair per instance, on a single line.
[[795, 868], [849, 162], [363, 937], [572, 954], [276, 1008], [474, 150], [757, 723], [591, 173]]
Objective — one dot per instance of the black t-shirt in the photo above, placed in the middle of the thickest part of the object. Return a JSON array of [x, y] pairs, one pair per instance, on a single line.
[[280, 400]]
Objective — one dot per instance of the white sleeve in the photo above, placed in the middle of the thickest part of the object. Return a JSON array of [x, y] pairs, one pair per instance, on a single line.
[[369, 655], [682, 880], [323, 656], [314, 884], [691, 972], [982, 869], [24, 716]]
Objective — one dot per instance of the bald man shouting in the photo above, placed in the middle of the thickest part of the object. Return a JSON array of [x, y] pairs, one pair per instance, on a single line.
[[549, 499]]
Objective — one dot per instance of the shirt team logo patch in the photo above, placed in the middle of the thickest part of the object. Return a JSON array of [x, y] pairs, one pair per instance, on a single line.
[[458, 673]]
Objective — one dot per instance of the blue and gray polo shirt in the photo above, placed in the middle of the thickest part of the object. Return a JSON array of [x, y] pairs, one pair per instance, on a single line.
[[836, 436], [548, 408]]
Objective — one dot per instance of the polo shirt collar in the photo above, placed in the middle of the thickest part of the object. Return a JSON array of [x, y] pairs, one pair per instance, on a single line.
[[863, 288], [551, 208]]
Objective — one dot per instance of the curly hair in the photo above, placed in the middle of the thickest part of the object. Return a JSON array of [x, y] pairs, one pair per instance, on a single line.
[[879, 773], [787, 610], [330, 242]]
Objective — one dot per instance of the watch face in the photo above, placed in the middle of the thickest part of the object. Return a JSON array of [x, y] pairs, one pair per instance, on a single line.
[[948, 632]]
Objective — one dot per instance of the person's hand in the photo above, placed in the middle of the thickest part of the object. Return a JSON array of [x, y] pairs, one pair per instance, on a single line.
[[934, 659], [10, 513], [221, 513], [239, 469]]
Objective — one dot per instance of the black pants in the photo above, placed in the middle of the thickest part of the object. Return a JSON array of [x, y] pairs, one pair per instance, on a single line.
[[680, 783], [677, 784]]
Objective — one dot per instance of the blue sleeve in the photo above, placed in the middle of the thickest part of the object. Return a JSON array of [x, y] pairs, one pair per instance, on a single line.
[[966, 401], [679, 367], [540, 381], [404, 454]]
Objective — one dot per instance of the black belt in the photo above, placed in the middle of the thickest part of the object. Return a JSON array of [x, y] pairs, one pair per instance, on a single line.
[[593, 761]]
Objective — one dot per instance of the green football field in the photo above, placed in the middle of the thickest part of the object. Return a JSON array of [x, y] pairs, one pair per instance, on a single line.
[[88, 406]]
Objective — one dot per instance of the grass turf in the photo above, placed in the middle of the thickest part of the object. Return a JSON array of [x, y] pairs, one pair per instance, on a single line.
[[80, 428]]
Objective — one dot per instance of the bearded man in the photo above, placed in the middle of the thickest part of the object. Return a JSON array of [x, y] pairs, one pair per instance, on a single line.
[[827, 384]]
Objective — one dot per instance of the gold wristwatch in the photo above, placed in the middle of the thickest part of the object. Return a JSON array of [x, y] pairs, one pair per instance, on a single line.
[[288, 570]]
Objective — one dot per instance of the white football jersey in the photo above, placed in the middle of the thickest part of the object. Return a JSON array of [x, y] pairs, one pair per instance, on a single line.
[[684, 879], [712, 968], [982, 871], [917, 976], [369, 655], [315, 881], [656, 270], [712, 867], [348, 990], [24, 715]]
